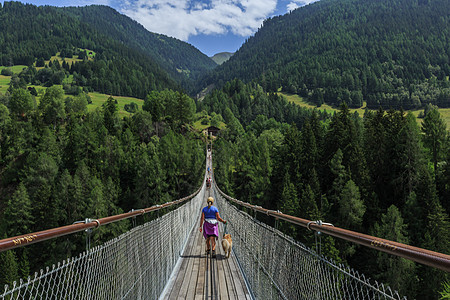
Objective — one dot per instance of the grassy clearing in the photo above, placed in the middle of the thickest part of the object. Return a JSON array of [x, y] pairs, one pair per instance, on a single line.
[[199, 118], [445, 112], [4, 83], [90, 54], [70, 61], [98, 99], [296, 99], [199, 126], [16, 69], [40, 90]]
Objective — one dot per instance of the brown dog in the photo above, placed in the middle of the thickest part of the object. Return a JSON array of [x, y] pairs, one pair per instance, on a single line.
[[227, 243]]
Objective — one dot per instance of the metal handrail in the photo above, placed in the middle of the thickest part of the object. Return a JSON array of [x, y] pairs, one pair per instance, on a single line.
[[35, 237], [423, 256]]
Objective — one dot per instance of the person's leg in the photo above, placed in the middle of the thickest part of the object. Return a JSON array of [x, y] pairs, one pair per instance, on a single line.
[[213, 245], [208, 243], [213, 242]]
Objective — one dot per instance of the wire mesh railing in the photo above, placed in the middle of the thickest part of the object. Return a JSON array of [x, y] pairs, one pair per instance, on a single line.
[[278, 267], [135, 265]]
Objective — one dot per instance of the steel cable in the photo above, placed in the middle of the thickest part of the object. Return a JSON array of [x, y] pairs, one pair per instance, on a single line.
[[277, 267]]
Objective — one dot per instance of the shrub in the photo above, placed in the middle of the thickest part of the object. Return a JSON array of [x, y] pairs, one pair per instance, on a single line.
[[7, 72], [131, 108]]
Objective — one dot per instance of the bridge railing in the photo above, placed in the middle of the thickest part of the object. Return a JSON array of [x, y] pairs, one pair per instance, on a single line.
[[277, 267], [427, 257], [134, 265]]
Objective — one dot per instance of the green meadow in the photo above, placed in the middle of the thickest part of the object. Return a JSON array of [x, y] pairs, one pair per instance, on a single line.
[[199, 126], [16, 69], [4, 83], [296, 99], [98, 99]]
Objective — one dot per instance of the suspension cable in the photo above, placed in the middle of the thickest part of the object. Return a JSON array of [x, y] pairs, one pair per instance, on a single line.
[[423, 256], [31, 238]]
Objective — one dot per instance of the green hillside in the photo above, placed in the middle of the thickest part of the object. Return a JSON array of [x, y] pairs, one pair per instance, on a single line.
[[99, 99], [181, 60], [296, 99], [389, 53], [31, 35]]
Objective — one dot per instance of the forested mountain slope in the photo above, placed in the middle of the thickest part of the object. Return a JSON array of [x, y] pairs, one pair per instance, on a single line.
[[128, 59], [180, 59], [377, 175], [393, 53]]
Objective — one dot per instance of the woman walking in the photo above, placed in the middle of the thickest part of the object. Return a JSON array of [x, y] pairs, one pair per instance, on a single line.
[[209, 222]]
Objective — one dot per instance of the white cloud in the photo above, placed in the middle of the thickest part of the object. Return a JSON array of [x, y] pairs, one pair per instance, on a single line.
[[183, 18], [298, 3]]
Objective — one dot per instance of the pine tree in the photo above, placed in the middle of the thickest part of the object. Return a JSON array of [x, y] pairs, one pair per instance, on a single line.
[[340, 178], [289, 204], [39, 181], [19, 211], [150, 180], [21, 103], [9, 270], [437, 237], [444, 183], [397, 272], [310, 153], [351, 207], [307, 205], [52, 105], [411, 154], [435, 135], [433, 235], [111, 116]]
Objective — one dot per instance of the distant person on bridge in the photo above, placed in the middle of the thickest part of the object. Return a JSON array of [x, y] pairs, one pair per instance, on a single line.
[[209, 220]]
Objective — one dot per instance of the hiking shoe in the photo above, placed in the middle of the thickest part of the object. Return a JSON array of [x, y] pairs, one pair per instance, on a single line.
[[207, 251], [214, 253]]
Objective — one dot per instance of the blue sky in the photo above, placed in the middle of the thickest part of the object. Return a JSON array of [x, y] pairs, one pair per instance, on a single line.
[[212, 26]]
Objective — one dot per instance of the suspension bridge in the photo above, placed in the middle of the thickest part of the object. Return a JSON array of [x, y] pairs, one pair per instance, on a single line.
[[166, 259]]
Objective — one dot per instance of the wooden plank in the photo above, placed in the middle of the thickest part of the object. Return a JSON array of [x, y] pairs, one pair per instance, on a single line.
[[241, 290], [207, 287], [231, 289], [201, 276], [195, 270], [232, 294], [222, 283], [184, 272], [189, 272], [193, 274]]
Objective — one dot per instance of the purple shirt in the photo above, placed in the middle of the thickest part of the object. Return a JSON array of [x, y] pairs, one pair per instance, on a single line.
[[210, 213]]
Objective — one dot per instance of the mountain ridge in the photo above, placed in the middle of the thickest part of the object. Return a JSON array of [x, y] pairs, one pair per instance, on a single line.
[[178, 58], [387, 53], [144, 61], [221, 57]]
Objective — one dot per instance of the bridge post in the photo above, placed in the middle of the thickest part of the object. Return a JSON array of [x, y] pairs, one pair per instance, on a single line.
[[88, 230]]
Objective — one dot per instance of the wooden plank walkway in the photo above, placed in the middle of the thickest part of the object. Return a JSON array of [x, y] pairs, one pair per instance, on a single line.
[[194, 278]]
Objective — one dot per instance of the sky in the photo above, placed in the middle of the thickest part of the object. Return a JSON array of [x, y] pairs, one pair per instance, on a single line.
[[212, 26]]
